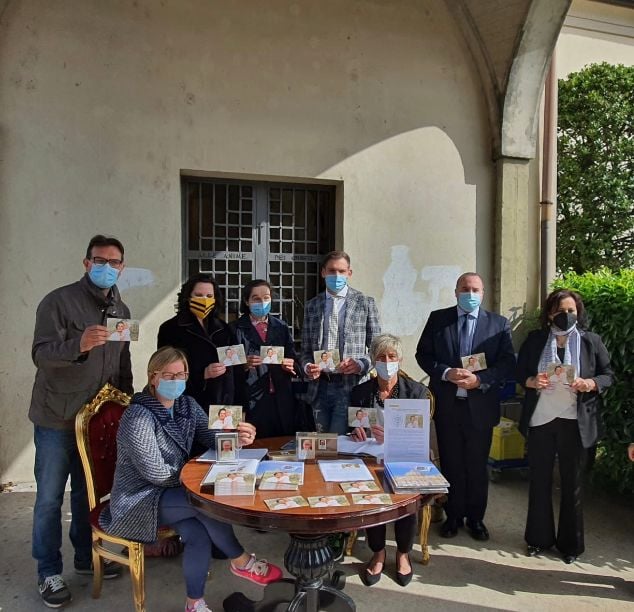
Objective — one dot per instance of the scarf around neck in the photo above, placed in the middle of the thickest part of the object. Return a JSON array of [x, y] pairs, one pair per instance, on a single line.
[[571, 351]]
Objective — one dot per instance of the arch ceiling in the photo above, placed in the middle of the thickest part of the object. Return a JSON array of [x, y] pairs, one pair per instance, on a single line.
[[511, 42]]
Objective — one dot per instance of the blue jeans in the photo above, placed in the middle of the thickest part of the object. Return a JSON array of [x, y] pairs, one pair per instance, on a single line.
[[197, 531], [330, 407], [57, 458]]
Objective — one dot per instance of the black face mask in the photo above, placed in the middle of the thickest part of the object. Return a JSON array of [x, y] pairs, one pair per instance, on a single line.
[[565, 320]]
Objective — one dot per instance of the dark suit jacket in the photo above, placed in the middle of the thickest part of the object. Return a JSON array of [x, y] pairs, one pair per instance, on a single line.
[[438, 349], [257, 379], [594, 362]]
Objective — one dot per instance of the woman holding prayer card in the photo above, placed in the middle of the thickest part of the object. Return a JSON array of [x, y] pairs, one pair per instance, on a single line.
[[386, 353], [154, 440], [269, 400], [198, 330], [563, 424]]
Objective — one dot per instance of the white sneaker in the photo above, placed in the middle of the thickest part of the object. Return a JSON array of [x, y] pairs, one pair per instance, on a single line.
[[199, 606]]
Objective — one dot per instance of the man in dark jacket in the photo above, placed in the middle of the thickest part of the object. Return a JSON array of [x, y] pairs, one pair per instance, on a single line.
[[467, 403], [74, 360]]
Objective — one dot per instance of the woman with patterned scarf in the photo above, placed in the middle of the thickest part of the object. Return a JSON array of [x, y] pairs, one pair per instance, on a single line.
[[560, 420]]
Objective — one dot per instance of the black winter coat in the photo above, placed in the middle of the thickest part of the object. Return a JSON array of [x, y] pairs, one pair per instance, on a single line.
[[256, 394], [184, 332]]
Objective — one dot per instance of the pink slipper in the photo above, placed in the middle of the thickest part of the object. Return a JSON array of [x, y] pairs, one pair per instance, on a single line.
[[258, 571]]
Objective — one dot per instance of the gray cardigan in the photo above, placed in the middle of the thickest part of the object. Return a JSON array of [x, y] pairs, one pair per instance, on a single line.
[[152, 448]]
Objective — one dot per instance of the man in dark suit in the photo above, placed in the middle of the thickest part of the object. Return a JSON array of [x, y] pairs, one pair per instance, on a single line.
[[467, 404], [343, 319]]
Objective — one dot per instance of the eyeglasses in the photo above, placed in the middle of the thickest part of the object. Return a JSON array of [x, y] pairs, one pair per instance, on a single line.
[[171, 376], [100, 261]]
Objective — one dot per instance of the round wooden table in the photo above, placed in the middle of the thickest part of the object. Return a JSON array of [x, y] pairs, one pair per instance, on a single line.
[[308, 557]]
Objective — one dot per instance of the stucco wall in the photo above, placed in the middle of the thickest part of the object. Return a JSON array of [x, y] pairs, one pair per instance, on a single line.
[[594, 33], [104, 103]]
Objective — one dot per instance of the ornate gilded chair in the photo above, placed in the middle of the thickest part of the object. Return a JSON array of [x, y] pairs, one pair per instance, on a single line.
[[424, 518], [96, 426]]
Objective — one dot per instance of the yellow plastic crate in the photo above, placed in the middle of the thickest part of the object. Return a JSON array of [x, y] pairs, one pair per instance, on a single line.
[[507, 442]]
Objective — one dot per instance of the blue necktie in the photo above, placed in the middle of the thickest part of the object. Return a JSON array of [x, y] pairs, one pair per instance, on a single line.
[[465, 338]]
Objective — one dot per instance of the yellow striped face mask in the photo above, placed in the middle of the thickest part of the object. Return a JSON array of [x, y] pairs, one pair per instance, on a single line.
[[201, 306]]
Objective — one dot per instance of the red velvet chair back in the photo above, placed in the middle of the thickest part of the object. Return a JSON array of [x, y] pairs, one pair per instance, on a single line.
[[96, 427], [102, 443]]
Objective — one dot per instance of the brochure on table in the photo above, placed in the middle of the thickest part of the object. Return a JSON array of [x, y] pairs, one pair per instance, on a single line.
[[369, 447], [246, 466], [410, 476], [294, 467], [406, 430], [344, 471]]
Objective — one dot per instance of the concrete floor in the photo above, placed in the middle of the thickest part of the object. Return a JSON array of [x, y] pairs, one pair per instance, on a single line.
[[462, 574]]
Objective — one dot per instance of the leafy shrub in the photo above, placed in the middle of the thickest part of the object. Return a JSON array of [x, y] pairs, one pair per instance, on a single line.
[[609, 301], [595, 169]]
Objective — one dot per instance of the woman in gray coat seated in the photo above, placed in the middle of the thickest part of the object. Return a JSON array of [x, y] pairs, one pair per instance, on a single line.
[[155, 438], [386, 353]]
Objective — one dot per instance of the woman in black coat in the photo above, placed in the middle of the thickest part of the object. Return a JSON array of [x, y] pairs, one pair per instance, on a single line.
[[198, 331], [386, 353], [269, 401], [560, 419]]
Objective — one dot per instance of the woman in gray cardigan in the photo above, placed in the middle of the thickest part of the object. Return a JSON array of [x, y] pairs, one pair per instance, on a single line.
[[155, 438]]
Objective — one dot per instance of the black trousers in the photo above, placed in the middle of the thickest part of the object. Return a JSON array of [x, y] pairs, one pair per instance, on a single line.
[[558, 438], [464, 454], [404, 532], [265, 417]]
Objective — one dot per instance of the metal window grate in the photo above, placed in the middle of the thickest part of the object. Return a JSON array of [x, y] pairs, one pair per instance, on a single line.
[[239, 231]]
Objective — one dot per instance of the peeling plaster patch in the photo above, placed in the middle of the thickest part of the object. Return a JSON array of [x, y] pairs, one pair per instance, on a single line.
[[403, 309], [135, 277], [401, 306]]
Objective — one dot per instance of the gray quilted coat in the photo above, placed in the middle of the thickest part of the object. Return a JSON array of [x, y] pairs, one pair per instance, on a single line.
[[152, 448]]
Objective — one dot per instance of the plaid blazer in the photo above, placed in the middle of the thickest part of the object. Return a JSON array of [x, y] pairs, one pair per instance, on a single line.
[[361, 325]]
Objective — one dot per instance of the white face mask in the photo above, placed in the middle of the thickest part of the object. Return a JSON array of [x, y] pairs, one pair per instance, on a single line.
[[386, 369]]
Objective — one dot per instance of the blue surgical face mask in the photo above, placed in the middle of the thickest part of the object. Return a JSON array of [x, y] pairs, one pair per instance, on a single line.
[[170, 389], [336, 282], [469, 301], [386, 369], [103, 276], [260, 309]]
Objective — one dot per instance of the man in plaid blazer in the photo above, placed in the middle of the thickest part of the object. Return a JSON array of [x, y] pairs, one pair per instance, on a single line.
[[343, 319]]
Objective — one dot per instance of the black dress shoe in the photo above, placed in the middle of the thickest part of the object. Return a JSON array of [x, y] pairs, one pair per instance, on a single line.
[[478, 530], [405, 579], [568, 559], [533, 551], [369, 579], [449, 528]]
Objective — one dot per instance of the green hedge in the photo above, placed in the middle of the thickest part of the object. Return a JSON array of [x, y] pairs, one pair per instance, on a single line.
[[609, 301]]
